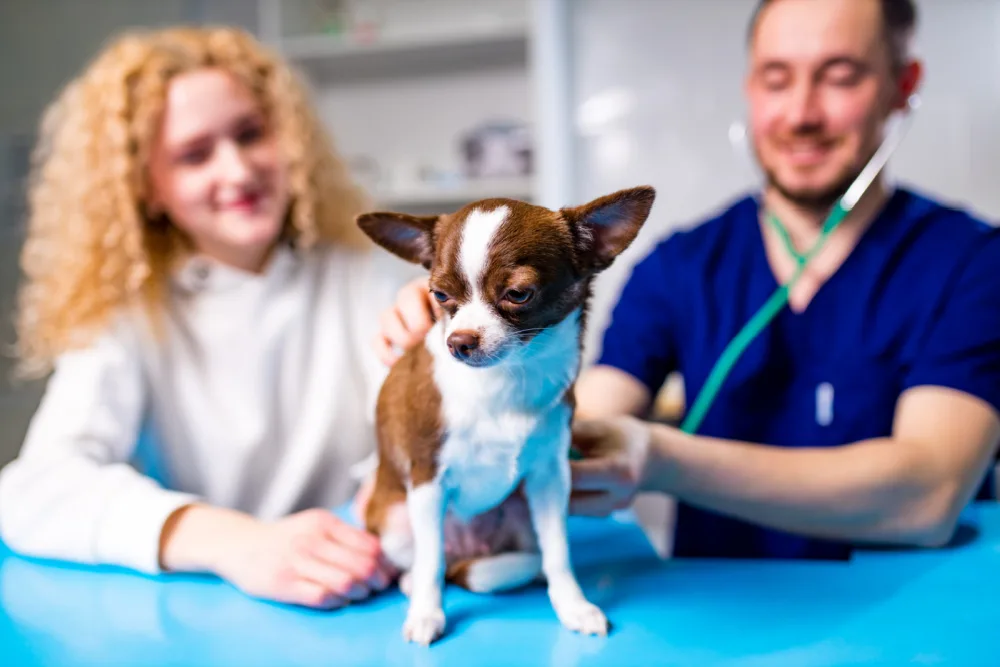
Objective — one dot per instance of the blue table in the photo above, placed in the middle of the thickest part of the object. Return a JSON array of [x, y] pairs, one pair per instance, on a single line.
[[882, 608]]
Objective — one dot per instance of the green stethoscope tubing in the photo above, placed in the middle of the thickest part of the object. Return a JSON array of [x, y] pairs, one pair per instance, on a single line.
[[777, 301], [761, 319]]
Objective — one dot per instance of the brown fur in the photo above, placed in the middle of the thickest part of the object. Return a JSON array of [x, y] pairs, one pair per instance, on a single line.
[[408, 429]]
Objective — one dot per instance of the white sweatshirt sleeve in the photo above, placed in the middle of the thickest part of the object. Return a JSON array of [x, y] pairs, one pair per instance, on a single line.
[[71, 494]]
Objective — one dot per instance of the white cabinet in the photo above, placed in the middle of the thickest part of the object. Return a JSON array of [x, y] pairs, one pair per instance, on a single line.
[[400, 83]]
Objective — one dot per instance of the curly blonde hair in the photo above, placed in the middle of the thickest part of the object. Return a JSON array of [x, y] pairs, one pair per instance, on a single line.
[[91, 247]]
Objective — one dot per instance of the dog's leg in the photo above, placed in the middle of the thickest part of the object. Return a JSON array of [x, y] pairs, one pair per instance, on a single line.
[[547, 488], [425, 618], [494, 574], [406, 583]]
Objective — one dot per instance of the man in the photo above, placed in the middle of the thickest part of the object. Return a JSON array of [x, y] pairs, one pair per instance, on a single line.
[[869, 409]]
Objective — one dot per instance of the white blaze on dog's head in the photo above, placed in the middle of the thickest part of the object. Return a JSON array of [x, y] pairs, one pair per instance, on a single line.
[[507, 272], [475, 325]]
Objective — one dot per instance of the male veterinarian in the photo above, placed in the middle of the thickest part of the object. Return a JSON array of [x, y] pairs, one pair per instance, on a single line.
[[869, 409]]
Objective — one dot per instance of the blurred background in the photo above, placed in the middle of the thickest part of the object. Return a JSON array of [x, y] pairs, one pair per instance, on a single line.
[[440, 102]]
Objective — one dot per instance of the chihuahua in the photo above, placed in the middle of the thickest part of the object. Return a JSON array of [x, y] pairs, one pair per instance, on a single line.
[[473, 426]]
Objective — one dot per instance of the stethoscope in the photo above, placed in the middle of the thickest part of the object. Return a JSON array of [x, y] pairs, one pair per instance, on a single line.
[[732, 352]]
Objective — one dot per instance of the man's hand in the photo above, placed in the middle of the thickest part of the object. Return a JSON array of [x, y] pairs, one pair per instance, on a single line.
[[407, 322], [311, 558], [615, 464]]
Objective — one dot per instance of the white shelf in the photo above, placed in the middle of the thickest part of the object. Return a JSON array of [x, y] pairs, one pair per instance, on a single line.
[[493, 44], [450, 197]]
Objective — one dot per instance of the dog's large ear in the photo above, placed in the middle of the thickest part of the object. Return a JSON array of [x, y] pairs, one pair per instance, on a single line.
[[605, 227], [408, 236]]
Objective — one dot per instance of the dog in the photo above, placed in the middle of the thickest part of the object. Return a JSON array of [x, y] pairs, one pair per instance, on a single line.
[[473, 426]]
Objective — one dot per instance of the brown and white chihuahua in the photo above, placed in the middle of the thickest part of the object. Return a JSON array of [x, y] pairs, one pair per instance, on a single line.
[[473, 426]]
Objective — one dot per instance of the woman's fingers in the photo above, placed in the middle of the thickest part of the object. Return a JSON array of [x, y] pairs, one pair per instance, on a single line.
[[362, 566], [393, 330], [351, 537], [309, 593], [361, 542], [333, 579], [414, 309], [385, 351]]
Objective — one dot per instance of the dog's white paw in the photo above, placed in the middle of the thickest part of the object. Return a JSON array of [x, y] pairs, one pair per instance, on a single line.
[[423, 626], [583, 617]]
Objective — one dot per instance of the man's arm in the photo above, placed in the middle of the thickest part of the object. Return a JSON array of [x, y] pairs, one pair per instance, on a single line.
[[908, 488]]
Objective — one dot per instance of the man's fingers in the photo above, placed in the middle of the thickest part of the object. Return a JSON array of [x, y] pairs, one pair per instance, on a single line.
[[592, 475], [593, 438], [590, 503]]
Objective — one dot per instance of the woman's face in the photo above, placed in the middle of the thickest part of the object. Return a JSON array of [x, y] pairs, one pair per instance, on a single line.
[[216, 171]]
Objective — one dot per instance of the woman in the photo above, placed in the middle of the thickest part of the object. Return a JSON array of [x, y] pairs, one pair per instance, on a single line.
[[193, 265]]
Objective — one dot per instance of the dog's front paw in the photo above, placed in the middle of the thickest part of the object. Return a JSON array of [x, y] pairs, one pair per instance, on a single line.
[[423, 626], [583, 617]]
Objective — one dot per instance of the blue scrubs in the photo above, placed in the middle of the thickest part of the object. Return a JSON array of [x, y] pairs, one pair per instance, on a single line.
[[916, 303]]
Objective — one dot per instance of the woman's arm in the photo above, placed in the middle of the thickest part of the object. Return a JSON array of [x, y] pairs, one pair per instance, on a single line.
[[71, 493]]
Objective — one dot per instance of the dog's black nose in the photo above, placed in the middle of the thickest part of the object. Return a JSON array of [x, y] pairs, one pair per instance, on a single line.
[[462, 344]]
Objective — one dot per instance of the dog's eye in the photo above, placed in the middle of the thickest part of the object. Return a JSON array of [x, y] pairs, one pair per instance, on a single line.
[[518, 296], [441, 297]]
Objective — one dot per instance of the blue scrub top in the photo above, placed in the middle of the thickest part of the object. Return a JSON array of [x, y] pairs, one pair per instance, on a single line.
[[917, 302]]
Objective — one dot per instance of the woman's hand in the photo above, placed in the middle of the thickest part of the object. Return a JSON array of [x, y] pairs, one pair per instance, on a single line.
[[614, 467], [311, 558], [407, 322]]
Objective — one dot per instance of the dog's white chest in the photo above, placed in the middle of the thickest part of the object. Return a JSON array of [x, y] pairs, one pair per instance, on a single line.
[[499, 420], [483, 462]]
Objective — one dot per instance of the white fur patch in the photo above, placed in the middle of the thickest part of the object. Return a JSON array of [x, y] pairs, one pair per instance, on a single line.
[[426, 507], [499, 417], [477, 237], [503, 572], [476, 315]]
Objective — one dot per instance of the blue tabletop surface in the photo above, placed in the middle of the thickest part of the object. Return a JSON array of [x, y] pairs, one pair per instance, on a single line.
[[882, 608]]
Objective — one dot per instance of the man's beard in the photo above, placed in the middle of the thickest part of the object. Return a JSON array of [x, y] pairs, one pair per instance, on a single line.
[[814, 199], [818, 200]]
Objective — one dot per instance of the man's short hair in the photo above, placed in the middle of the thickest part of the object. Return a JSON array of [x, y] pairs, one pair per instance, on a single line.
[[899, 20]]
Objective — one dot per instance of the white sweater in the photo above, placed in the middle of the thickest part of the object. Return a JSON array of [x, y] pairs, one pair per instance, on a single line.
[[258, 397]]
